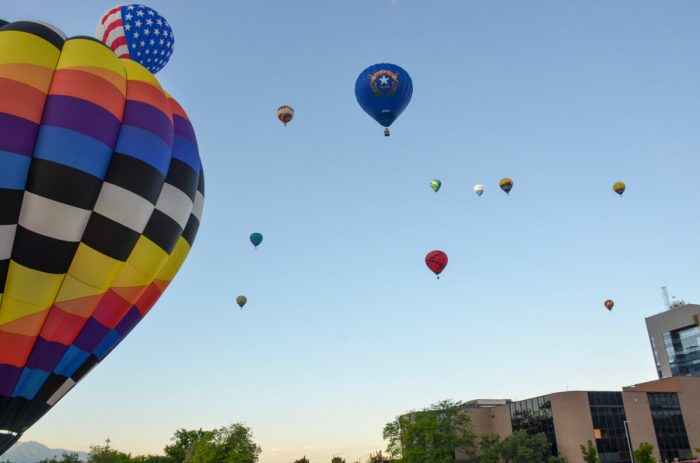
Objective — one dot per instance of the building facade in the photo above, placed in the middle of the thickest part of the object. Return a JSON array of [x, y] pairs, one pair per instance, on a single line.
[[675, 340], [664, 413]]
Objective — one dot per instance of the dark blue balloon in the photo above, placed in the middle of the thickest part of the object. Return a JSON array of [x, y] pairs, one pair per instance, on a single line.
[[383, 91]]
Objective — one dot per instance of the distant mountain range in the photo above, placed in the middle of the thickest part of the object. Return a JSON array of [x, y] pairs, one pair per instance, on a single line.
[[32, 451]]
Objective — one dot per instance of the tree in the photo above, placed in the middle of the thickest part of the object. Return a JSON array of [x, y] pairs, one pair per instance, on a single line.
[[431, 435], [183, 446], [337, 460], [590, 453], [644, 454], [520, 447], [489, 448], [230, 444], [106, 454], [151, 459], [65, 458], [376, 457], [302, 460]]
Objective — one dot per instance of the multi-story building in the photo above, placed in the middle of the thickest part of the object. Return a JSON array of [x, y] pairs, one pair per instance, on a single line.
[[675, 340], [664, 413]]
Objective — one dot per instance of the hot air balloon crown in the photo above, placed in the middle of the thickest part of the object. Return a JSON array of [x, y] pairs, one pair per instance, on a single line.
[[101, 196]]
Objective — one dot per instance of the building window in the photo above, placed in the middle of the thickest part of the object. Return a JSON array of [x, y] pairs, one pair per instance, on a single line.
[[534, 416], [668, 425], [683, 350], [608, 416]]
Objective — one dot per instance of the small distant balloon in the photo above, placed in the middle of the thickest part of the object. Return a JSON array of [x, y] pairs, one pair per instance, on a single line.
[[241, 301], [479, 189], [506, 185], [435, 185], [619, 187], [256, 239], [436, 262], [139, 33], [285, 114], [609, 304]]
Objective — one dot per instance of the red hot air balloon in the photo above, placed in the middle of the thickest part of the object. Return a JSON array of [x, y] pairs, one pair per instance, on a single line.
[[436, 262], [609, 304]]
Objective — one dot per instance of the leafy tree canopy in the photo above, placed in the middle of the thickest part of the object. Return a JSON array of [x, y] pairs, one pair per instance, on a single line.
[[644, 454], [432, 434]]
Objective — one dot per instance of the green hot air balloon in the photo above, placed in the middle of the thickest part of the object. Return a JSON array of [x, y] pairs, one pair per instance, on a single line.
[[435, 185]]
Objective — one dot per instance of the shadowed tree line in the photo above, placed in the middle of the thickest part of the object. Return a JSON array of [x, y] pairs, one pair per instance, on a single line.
[[229, 444], [440, 433]]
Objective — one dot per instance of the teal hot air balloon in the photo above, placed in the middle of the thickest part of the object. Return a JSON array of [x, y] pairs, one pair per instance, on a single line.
[[256, 239]]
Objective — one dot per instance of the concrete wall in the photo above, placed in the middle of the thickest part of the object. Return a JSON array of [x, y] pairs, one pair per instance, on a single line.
[[481, 420], [573, 425], [689, 398], [500, 421], [639, 422]]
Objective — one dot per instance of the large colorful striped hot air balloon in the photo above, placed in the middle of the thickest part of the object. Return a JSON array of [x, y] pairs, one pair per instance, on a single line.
[[101, 195]]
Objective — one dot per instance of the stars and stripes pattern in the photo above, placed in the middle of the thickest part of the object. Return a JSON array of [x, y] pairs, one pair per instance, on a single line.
[[139, 33]]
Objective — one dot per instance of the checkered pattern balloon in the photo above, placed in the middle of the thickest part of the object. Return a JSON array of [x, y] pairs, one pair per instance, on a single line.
[[101, 195]]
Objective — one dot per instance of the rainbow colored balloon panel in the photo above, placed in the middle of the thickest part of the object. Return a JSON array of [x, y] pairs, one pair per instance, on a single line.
[[101, 196]]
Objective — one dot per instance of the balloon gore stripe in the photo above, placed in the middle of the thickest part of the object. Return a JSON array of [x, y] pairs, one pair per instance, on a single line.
[[101, 196]]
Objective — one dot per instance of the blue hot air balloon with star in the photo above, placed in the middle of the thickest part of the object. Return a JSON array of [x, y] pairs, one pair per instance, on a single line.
[[383, 91]]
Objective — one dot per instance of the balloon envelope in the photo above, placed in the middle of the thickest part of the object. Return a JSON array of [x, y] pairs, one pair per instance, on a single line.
[[241, 301], [479, 189], [101, 195], [256, 239], [609, 304], [619, 188], [506, 185], [383, 91], [139, 33], [285, 114], [435, 185], [436, 261]]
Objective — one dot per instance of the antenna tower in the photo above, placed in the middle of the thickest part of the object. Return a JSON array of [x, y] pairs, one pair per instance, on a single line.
[[667, 300]]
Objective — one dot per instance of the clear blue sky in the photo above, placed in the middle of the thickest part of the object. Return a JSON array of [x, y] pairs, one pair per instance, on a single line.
[[345, 327]]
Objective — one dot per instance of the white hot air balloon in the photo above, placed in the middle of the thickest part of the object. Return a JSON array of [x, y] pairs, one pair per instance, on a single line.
[[479, 189]]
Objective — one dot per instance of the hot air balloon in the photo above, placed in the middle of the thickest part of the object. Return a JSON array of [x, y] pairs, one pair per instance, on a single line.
[[506, 185], [241, 301], [256, 239], [139, 33], [285, 114], [101, 195], [609, 304], [479, 189], [383, 91], [619, 188], [436, 262], [435, 185]]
